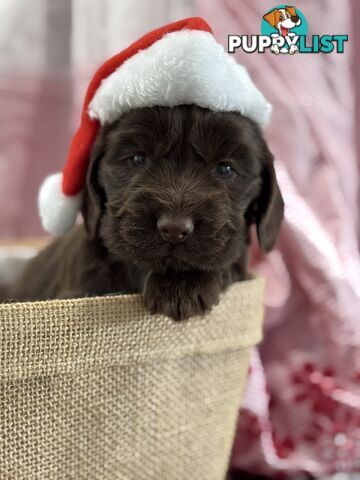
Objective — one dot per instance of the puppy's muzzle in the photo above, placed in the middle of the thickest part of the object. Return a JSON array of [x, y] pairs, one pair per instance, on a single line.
[[175, 229]]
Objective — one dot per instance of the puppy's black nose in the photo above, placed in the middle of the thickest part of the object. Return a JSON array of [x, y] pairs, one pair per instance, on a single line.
[[295, 18], [175, 230]]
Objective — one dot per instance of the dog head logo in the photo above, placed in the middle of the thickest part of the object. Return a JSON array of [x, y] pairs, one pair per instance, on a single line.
[[284, 21]]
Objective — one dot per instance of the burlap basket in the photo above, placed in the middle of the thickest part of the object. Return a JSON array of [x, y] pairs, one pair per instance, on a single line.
[[99, 389]]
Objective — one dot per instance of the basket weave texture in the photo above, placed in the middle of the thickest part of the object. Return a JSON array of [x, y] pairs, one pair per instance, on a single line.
[[98, 389]]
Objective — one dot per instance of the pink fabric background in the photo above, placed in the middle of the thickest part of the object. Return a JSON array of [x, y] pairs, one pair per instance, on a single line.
[[301, 411], [49, 49]]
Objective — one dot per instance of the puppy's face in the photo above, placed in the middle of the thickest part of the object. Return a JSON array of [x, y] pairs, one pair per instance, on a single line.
[[283, 19], [178, 187]]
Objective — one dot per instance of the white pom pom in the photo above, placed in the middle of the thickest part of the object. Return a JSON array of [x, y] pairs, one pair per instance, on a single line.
[[57, 211]]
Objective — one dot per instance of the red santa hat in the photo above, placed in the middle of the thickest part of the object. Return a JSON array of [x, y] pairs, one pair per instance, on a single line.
[[180, 63]]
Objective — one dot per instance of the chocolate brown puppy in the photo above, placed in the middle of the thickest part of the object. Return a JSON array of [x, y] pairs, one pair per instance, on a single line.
[[170, 197]]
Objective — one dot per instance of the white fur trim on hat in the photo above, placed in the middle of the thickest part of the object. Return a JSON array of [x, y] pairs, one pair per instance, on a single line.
[[57, 211], [184, 67]]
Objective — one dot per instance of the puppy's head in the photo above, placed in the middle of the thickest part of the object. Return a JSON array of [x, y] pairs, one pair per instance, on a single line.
[[283, 19], [178, 187]]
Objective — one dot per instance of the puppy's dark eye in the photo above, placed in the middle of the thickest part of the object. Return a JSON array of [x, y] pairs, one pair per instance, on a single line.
[[224, 170], [138, 160]]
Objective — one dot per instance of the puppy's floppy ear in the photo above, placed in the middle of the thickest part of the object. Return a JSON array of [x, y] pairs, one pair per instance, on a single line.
[[271, 17], [292, 11], [269, 205], [94, 196]]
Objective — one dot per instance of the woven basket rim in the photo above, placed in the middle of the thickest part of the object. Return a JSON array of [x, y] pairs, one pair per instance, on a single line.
[[39, 337], [125, 299]]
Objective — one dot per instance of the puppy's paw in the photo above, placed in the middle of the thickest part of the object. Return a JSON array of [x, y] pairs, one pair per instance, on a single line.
[[183, 294]]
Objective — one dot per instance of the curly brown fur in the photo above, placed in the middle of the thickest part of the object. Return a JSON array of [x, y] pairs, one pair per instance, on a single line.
[[121, 249]]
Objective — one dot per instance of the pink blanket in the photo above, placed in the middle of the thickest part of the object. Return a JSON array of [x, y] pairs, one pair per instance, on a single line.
[[302, 406]]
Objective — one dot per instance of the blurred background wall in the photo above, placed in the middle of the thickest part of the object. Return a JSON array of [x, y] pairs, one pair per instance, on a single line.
[[48, 51], [50, 48], [302, 404]]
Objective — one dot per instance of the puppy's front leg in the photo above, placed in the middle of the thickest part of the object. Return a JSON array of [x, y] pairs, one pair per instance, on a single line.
[[275, 49], [182, 295]]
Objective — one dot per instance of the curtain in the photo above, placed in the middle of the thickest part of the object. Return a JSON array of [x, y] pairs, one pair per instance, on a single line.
[[48, 51], [301, 413]]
